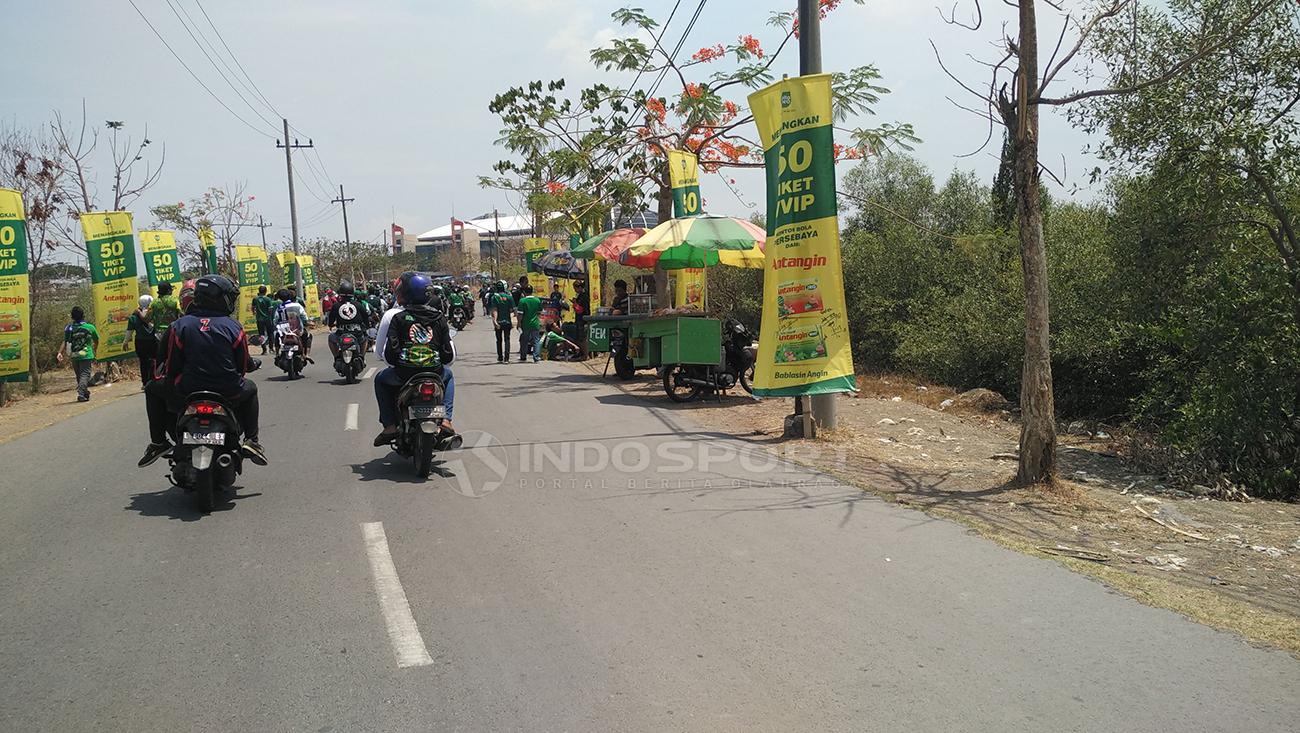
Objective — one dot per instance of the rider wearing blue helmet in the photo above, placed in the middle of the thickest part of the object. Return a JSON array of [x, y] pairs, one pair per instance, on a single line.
[[413, 338]]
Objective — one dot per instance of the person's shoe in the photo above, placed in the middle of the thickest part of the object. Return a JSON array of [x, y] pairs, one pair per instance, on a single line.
[[385, 438], [83, 398], [153, 453], [254, 452]]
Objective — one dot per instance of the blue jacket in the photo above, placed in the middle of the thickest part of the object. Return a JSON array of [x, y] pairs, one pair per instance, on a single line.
[[207, 351]]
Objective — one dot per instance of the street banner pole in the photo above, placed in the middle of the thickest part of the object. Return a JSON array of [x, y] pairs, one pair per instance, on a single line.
[[114, 285], [15, 292]]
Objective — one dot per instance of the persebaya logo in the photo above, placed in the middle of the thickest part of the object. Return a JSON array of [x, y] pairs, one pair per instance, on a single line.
[[785, 99]]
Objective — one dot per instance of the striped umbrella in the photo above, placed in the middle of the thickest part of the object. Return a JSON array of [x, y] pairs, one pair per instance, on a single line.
[[699, 241], [608, 245]]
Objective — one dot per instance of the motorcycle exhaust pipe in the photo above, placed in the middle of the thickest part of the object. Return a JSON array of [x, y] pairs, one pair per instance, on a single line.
[[224, 460]]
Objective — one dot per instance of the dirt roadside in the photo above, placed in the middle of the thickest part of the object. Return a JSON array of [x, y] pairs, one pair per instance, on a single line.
[[57, 401], [1234, 566]]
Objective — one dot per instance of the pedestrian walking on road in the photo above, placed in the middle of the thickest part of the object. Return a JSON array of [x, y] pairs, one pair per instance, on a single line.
[[501, 306], [80, 339], [530, 324], [264, 312]]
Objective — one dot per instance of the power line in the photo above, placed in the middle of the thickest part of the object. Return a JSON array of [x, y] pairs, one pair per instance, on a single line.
[[215, 68], [235, 58], [181, 61], [193, 23], [677, 49]]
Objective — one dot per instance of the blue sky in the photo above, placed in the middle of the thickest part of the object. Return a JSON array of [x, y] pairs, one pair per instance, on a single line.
[[394, 92]]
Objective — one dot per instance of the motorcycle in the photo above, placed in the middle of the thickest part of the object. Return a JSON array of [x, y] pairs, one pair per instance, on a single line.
[[458, 316], [687, 382], [207, 456], [351, 360], [421, 413], [290, 357]]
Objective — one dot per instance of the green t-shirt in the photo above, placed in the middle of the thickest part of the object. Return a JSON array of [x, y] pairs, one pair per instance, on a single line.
[[503, 306], [530, 309], [81, 338], [164, 310], [553, 338], [263, 308]]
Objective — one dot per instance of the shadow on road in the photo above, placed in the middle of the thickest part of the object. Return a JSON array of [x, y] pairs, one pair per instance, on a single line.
[[173, 503], [396, 469]]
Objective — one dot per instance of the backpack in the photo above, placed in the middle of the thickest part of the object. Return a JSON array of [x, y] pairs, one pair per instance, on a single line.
[[410, 339], [79, 342]]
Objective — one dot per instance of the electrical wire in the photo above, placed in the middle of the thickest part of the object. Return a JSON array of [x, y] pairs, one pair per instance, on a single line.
[[235, 58], [677, 49], [196, 78]]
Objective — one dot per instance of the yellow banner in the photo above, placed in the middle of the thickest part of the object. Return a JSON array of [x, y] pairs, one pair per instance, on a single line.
[[250, 261], [691, 288], [311, 299], [15, 295], [684, 179], [208, 245], [114, 287], [804, 344], [161, 263], [535, 247], [286, 262], [593, 284]]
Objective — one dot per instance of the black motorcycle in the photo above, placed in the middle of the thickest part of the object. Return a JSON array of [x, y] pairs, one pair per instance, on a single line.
[[207, 457], [351, 360], [459, 315], [421, 413], [290, 357], [687, 382]]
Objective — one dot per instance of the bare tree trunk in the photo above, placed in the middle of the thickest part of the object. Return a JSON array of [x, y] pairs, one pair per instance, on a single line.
[[1037, 404], [665, 213]]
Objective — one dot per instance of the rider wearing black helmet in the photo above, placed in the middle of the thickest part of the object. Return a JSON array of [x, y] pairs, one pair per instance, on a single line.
[[208, 351], [349, 313], [413, 338]]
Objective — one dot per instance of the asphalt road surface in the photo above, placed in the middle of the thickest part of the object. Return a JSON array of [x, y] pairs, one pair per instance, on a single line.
[[593, 564]]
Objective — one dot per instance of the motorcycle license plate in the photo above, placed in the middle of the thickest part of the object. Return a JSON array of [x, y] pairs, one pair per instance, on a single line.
[[203, 438], [427, 412]]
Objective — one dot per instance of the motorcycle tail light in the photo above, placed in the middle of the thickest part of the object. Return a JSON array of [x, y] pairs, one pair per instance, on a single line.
[[205, 408], [426, 390]]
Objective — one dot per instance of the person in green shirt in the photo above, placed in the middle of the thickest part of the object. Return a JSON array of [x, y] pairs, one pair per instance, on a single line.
[[558, 348], [530, 324], [80, 339], [264, 312], [164, 311], [501, 305], [146, 341]]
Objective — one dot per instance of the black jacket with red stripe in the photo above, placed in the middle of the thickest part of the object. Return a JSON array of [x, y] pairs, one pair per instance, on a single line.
[[207, 351]]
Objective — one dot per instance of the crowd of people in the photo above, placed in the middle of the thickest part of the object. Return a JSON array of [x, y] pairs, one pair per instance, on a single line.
[[522, 309]]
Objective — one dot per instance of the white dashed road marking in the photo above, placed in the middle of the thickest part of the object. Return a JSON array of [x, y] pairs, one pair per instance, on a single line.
[[350, 422], [370, 372], [408, 645]]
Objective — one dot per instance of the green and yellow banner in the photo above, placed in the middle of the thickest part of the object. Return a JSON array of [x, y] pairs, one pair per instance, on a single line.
[[161, 263], [803, 348], [311, 298], [684, 178], [114, 286], [208, 243], [15, 296], [535, 247], [286, 262], [250, 261]]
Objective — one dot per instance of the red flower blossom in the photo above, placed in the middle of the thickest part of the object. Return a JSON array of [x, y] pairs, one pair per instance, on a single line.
[[555, 187], [752, 45], [656, 107], [708, 53]]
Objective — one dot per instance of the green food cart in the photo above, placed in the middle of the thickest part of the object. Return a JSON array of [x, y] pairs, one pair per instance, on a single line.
[[650, 342]]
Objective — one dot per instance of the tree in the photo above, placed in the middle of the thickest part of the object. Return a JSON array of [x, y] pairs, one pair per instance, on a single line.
[[1017, 90], [227, 210]]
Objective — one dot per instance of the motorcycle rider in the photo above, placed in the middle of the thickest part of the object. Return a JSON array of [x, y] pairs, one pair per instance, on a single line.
[[413, 338], [207, 351], [350, 314], [292, 316]]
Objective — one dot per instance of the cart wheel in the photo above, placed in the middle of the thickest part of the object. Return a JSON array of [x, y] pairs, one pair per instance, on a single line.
[[679, 392], [623, 366]]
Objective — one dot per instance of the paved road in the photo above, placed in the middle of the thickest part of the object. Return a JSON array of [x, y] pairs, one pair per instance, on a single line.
[[595, 566]]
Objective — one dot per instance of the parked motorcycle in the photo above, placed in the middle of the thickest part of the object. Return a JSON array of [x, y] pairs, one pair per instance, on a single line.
[[687, 382], [351, 360], [207, 457], [420, 427], [290, 357]]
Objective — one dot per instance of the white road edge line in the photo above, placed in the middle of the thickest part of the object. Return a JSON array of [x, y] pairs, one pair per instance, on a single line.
[[370, 372], [408, 645], [350, 422]]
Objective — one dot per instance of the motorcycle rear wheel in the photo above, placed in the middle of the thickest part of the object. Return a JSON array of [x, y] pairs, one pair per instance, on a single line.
[[423, 456], [747, 379], [676, 392], [205, 491]]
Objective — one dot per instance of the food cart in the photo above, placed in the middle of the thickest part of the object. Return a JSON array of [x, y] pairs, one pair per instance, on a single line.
[[648, 342]]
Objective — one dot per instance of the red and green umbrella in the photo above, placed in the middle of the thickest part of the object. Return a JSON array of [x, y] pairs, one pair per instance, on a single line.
[[608, 245], [699, 241]]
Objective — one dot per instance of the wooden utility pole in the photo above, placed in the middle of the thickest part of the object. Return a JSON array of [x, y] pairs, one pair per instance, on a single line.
[[261, 224], [347, 238], [289, 147]]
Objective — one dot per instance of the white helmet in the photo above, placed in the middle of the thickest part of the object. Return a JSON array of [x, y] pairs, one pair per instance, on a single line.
[[145, 301]]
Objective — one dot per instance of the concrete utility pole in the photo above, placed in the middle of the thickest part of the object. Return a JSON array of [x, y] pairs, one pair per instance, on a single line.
[[496, 245], [293, 204], [810, 62], [347, 238]]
